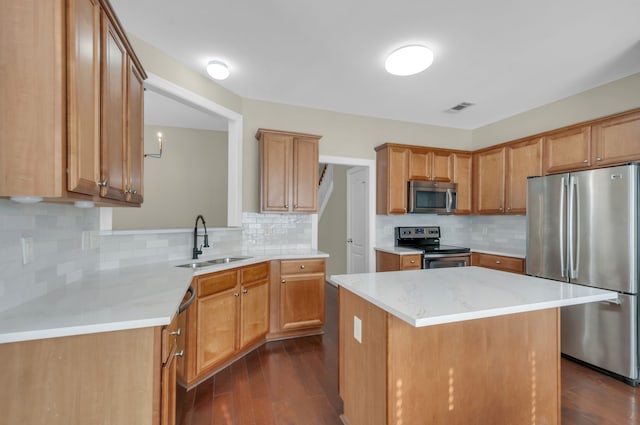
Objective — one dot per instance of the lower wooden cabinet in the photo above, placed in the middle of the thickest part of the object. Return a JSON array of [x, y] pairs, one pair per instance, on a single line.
[[119, 377], [297, 297], [387, 262], [498, 262], [231, 313]]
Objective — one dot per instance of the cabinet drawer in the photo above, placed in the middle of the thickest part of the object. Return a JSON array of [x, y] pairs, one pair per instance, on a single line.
[[302, 266], [410, 262], [254, 272], [499, 262], [216, 282]]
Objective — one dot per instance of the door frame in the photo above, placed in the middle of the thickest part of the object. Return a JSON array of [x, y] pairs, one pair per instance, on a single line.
[[371, 216], [350, 172]]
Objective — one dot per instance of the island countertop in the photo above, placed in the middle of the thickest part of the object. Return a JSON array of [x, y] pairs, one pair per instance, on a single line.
[[437, 296]]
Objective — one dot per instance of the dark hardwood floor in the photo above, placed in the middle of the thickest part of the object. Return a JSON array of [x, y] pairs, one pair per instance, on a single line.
[[295, 382]]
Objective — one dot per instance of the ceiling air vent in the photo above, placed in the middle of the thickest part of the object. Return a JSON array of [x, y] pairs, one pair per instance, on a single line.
[[460, 106]]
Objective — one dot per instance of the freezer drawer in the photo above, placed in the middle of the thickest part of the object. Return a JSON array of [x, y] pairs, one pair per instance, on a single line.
[[603, 334]]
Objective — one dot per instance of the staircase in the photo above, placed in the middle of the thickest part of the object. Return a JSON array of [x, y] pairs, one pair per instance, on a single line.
[[325, 187]]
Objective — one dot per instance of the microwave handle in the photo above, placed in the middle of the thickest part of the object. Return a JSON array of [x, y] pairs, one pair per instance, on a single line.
[[449, 200]]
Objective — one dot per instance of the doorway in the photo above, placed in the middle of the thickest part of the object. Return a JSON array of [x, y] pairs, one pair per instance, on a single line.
[[354, 184]]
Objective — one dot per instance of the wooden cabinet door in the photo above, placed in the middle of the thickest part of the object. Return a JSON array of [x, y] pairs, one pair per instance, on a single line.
[[168, 391], [392, 180], [302, 301], [524, 159], [275, 172], [498, 262], [135, 134], [114, 106], [216, 328], [567, 150], [419, 165], [254, 312], [411, 262], [489, 181], [83, 96], [616, 140], [462, 176], [441, 166], [305, 175]]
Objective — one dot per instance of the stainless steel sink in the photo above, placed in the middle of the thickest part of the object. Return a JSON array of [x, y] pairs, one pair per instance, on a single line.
[[213, 262]]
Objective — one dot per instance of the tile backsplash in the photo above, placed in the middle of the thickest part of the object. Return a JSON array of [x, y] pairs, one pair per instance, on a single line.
[[67, 244]]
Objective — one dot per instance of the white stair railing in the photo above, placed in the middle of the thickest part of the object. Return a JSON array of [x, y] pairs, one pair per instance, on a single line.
[[325, 189]]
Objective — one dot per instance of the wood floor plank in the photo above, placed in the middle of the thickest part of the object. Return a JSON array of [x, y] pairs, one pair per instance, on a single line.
[[295, 382]]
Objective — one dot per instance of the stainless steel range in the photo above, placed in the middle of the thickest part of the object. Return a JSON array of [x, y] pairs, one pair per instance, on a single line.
[[435, 256]]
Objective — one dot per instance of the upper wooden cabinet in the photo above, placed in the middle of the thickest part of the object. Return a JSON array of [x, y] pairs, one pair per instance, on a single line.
[[288, 171], [430, 165], [462, 170], [616, 140], [392, 178], [71, 113], [500, 176], [567, 150]]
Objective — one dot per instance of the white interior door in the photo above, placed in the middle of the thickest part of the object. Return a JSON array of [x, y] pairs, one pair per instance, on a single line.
[[357, 219]]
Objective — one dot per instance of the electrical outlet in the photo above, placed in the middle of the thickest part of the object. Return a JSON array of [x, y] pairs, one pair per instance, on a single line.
[[27, 250], [357, 329]]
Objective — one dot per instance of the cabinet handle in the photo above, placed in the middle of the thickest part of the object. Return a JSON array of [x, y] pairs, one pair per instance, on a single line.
[[500, 209], [509, 209], [103, 183], [302, 266], [131, 191], [598, 159], [286, 206], [295, 206], [180, 353], [586, 161], [178, 332], [236, 294], [244, 291], [497, 261], [412, 261], [282, 281]]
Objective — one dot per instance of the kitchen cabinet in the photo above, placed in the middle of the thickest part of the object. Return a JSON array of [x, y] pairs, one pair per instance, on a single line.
[[118, 377], [230, 316], [498, 262], [500, 176], [387, 262], [567, 150], [462, 170], [430, 165], [616, 140], [392, 177], [288, 171], [297, 297], [88, 106]]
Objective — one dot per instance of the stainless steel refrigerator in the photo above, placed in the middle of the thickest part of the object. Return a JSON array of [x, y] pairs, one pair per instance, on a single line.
[[582, 228]]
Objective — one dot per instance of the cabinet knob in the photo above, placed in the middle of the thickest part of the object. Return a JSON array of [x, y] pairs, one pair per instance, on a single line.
[[283, 281], [295, 205], [412, 261], [500, 209], [286, 206], [509, 209], [103, 183], [236, 294], [244, 291], [586, 161], [302, 266], [497, 261], [180, 353], [178, 332], [598, 159]]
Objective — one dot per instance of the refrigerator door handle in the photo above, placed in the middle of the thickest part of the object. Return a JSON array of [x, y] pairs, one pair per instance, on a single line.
[[572, 228], [563, 189]]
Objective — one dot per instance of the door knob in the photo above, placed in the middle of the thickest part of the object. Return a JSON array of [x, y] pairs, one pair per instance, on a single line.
[[350, 240]]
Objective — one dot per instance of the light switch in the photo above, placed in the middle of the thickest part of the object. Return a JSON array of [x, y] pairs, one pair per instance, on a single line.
[[357, 329]]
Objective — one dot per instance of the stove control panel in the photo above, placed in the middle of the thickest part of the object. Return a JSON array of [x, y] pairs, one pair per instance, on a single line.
[[432, 232]]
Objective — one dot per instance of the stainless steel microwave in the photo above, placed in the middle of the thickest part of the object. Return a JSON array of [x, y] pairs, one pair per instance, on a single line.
[[432, 197]]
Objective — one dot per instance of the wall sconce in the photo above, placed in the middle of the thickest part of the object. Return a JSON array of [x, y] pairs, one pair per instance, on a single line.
[[156, 155]]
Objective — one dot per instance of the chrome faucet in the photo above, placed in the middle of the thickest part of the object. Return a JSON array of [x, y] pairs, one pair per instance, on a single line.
[[197, 251]]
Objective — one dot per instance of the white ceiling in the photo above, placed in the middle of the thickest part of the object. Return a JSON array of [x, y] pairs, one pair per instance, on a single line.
[[506, 56]]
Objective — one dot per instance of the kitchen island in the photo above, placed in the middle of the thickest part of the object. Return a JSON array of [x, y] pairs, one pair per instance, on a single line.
[[452, 346]]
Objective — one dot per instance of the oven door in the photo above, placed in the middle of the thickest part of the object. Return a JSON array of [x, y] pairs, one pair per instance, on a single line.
[[443, 260]]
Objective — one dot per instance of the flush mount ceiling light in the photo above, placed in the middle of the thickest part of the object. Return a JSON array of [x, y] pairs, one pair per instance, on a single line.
[[218, 70], [409, 60]]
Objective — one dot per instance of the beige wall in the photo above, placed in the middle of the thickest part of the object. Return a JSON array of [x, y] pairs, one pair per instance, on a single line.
[[617, 96], [189, 179], [344, 135], [332, 226]]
